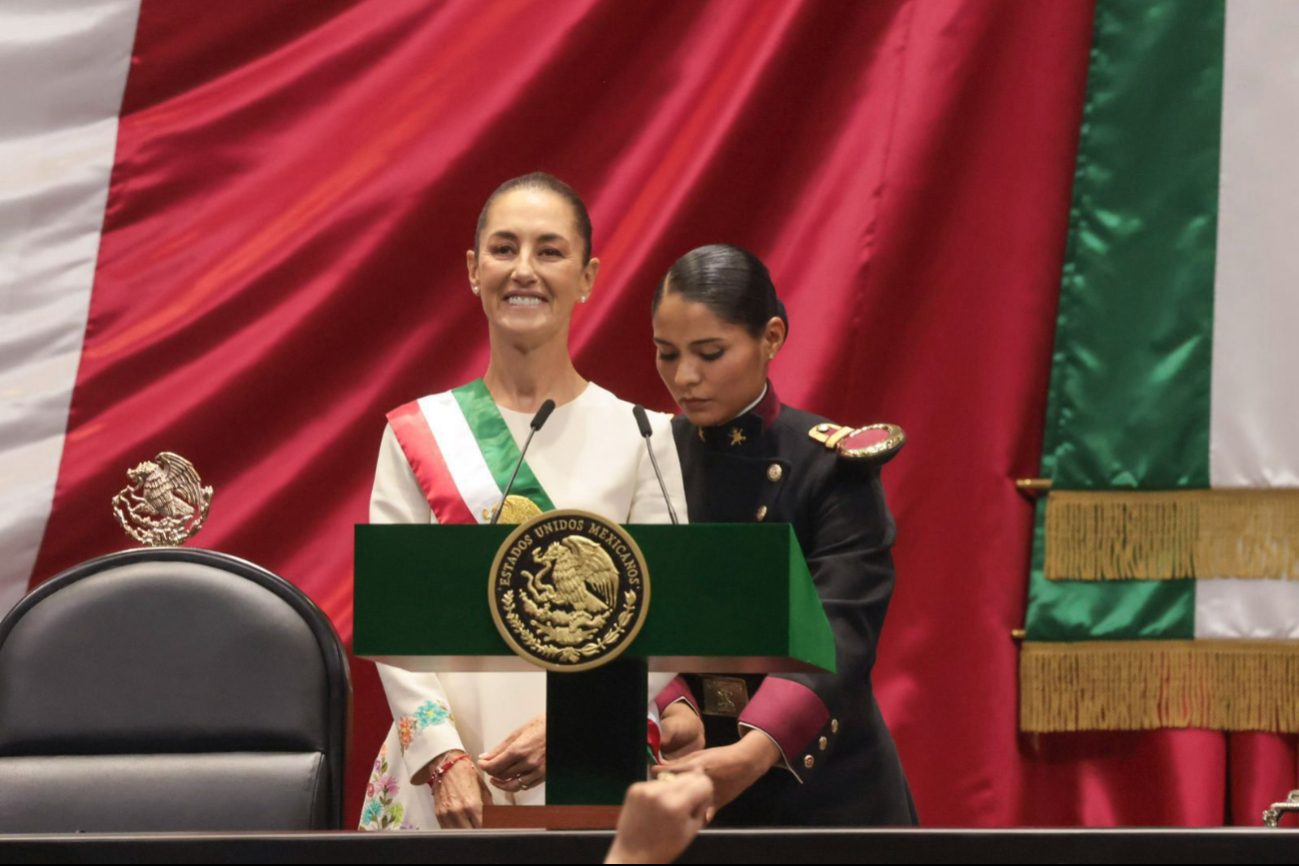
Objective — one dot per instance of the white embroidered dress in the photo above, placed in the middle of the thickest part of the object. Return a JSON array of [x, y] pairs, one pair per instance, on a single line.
[[589, 455]]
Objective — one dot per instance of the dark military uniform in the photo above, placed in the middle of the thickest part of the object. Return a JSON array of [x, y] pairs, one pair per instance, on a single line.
[[843, 769]]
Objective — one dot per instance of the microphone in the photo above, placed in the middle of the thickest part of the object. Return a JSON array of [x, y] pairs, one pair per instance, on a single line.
[[642, 421], [537, 420]]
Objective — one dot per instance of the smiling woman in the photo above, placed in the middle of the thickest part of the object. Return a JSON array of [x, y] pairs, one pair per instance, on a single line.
[[445, 458], [531, 264]]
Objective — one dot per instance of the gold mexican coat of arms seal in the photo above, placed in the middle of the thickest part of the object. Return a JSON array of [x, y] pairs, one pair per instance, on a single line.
[[569, 590], [165, 504]]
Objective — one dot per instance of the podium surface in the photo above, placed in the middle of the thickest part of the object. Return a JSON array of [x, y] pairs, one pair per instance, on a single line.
[[914, 845], [724, 598]]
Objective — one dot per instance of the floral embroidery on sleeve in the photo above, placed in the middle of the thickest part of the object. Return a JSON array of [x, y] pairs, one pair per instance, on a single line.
[[430, 713], [406, 731], [379, 811]]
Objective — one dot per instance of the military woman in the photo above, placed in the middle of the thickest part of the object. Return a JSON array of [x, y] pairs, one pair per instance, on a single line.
[[783, 749]]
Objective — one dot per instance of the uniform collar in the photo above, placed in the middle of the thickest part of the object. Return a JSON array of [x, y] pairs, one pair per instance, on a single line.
[[740, 435]]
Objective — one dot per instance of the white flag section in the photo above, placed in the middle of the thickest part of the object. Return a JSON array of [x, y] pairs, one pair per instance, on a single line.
[[64, 65], [464, 459], [1254, 424]]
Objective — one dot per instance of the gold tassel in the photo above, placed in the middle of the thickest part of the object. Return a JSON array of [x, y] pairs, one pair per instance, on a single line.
[[1141, 685], [1165, 535]]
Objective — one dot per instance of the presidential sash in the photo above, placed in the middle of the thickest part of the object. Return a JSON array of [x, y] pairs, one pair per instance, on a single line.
[[462, 453]]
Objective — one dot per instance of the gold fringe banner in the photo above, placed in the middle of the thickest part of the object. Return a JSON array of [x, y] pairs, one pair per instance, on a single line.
[[1163, 535], [1141, 685]]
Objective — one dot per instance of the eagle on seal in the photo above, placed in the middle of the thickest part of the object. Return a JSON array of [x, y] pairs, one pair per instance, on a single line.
[[166, 486], [584, 577]]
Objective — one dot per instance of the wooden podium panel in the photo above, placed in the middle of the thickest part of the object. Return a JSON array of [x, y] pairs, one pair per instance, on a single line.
[[550, 817]]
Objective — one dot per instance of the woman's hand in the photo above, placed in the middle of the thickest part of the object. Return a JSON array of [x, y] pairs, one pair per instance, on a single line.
[[458, 795], [682, 731], [659, 819], [732, 768], [519, 762]]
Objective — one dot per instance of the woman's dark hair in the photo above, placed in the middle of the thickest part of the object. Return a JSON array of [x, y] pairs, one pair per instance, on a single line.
[[730, 281], [541, 180]]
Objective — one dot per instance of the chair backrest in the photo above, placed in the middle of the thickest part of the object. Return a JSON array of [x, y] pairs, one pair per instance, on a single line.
[[171, 689]]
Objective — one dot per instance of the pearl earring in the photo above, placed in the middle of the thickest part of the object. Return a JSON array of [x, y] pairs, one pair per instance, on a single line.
[[474, 288]]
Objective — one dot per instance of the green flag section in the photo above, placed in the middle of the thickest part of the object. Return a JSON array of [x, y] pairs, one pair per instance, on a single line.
[[497, 443], [1165, 581]]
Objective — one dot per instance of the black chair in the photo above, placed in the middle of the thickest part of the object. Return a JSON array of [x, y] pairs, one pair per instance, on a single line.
[[171, 689]]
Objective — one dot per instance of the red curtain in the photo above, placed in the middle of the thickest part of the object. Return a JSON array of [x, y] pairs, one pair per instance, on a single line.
[[282, 262]]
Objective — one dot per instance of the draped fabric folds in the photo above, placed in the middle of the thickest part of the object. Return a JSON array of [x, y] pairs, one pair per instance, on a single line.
[[282, 262], [1154, 601]]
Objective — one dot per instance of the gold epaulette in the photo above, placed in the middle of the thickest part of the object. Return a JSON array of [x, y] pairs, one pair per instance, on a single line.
[[874, 443]]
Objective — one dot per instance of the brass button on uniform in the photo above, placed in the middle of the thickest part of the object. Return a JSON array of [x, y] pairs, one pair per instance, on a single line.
[[762, 512], [823, 743], [774, 472], [808, 761], [834, 726]]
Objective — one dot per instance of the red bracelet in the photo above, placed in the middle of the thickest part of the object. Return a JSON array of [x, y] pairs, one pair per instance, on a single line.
[[442, 770]]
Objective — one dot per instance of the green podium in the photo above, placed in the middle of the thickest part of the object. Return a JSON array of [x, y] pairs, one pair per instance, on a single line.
[[723, 598]]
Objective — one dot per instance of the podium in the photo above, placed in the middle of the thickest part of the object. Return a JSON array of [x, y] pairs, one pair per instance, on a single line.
[[723, 598]]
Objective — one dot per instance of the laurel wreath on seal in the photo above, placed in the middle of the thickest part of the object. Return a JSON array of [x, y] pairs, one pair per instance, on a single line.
[[568, 655], [164, 531], [546, 630]]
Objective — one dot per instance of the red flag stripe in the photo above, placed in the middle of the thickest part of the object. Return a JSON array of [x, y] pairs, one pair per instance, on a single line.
[[430, 465]]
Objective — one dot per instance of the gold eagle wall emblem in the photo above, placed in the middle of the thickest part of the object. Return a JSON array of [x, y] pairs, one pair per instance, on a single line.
[[165, 504]]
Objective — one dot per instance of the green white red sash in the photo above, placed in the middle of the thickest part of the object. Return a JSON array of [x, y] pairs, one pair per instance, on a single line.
[[462, 453]]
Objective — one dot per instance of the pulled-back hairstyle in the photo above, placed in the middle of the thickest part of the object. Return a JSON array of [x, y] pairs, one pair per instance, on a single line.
[[541, 180], [731, 282]]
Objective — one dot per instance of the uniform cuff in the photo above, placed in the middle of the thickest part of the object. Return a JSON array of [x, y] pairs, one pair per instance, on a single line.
[[788, 712], [784, 759], [677, 690]]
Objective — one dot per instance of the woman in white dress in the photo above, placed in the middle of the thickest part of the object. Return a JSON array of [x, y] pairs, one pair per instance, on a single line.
[[441, 460]]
